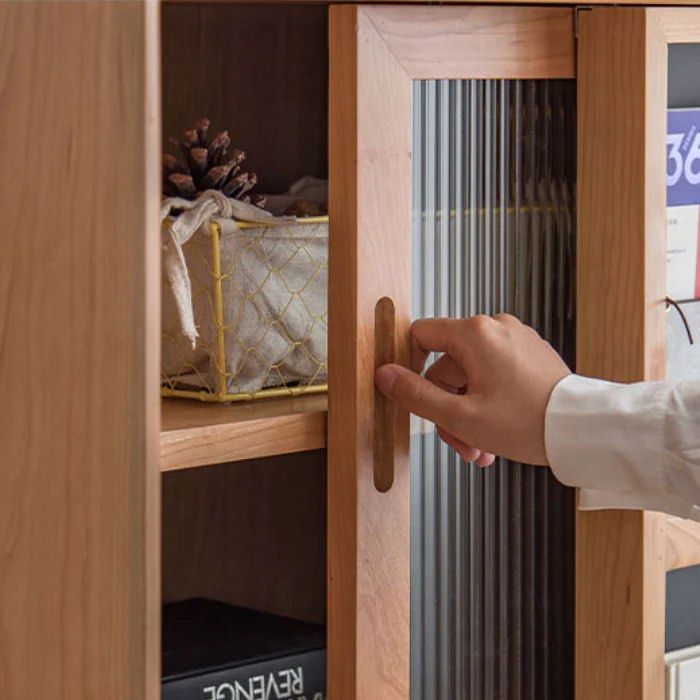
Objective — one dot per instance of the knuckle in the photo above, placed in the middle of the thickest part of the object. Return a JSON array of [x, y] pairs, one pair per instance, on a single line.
[[480, 323], [505, 318], [533, 332]]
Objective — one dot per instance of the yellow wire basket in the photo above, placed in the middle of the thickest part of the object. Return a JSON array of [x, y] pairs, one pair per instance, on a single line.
[[260, 305]]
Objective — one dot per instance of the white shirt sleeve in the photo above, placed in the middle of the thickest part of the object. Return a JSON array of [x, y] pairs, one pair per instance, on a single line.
[[633, 446]]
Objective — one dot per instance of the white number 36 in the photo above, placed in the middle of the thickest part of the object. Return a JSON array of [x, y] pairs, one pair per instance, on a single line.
[[677, 167]]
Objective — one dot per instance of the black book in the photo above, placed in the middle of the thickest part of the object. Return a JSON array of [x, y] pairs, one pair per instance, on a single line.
[[215, 651]]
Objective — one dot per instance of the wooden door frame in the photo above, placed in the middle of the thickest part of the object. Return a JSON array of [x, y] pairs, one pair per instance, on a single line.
[[376, 52], [621, 557]]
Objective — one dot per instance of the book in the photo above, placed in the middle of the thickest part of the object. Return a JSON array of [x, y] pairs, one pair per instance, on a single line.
[[216, 651], [683, 204]]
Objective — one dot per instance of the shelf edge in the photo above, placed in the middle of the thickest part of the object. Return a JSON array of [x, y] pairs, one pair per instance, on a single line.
[[206, 445]]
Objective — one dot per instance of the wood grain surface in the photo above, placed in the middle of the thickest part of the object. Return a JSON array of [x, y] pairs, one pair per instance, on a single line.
[[621, 286], [621, 557], [674, 26], [479, 42], [260, 72], [79, 322], [621, 201], [196, 434], [251, 533], [682, 543], [368, 531]]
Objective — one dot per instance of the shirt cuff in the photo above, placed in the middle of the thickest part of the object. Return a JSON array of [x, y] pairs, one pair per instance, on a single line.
[[604, 500], [608, 437]]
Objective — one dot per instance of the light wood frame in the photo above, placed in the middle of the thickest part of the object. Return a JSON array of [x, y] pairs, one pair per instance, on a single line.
[[375, 54], [79, 351], [682, 543], [193, 435], [621, 557]]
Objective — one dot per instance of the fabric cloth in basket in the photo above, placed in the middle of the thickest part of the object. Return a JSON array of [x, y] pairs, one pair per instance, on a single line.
[[266, 325]]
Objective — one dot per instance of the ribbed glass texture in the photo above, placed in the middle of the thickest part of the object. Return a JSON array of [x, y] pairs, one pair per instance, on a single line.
[[492, 550]]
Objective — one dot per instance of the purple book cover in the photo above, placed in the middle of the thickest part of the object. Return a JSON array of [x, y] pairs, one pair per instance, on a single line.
[[683, 157]]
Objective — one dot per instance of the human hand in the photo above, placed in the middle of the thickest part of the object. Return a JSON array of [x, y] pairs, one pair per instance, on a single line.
[[487, 393]]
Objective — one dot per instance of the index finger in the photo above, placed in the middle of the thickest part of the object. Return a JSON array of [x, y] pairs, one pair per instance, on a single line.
[[432, 335]]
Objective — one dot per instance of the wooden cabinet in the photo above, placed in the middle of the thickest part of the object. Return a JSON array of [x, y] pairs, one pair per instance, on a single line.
[[622, 557], [83, 432], [79, 414]]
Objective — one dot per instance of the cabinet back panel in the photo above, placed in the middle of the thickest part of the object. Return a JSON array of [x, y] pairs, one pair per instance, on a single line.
[[252, 533], [259, 71]]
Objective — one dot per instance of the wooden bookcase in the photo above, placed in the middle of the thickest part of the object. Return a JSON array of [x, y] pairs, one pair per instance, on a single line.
[[622, 557], [93, 461]]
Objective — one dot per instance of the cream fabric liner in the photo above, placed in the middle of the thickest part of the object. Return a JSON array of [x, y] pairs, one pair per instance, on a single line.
[[274, 297]]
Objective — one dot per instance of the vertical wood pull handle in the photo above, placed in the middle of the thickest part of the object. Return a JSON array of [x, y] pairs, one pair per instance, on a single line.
[[384, 411]]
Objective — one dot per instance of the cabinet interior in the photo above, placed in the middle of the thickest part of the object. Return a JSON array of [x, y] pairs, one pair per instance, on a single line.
[[250, 533], [260, 71]]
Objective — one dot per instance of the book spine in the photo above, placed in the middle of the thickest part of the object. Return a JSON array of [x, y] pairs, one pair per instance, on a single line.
[[297, 677]]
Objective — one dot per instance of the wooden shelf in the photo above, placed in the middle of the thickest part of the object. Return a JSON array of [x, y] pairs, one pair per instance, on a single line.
[[196, 434]]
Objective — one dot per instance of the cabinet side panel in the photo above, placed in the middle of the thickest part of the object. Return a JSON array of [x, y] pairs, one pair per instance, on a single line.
[[620, 337], [78, 351], [342, 355]]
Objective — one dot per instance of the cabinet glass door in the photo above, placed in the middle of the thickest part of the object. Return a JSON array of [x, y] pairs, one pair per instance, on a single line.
[[451, 193]]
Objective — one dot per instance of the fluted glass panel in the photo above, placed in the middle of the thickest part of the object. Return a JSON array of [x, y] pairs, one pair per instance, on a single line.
[[492, 550]]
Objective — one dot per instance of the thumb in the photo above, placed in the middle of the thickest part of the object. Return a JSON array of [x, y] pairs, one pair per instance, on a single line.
[[420, 396]]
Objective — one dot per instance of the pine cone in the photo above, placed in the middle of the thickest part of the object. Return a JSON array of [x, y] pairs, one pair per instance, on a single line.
[[207, 164]]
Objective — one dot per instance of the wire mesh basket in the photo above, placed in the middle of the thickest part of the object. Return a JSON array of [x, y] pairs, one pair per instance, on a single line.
[[260, 306]]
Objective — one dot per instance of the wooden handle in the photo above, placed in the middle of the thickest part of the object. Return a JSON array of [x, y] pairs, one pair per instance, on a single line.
[[384, 411]]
